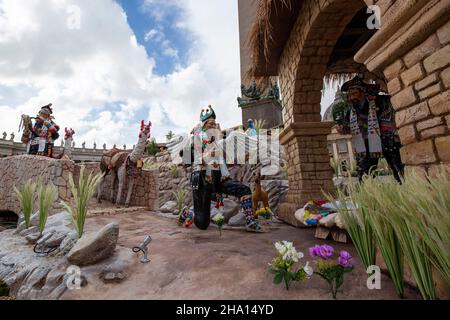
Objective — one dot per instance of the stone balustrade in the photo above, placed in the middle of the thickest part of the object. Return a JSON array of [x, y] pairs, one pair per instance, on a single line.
[[10, 147]]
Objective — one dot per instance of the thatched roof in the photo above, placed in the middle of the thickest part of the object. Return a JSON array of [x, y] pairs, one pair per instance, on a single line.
[[269, 33], [271, 30]]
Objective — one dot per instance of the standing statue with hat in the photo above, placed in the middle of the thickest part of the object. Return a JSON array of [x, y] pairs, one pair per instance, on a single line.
[[41, 135], [370, 119]]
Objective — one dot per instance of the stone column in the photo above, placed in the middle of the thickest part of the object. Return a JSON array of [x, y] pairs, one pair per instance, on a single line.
[[335, 151], [351, 155], [336, 157], [309, 166]]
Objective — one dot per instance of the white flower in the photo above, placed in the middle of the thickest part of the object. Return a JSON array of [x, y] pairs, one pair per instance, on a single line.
[[288, 252], [280, 248], [308, 269], [218, 218]]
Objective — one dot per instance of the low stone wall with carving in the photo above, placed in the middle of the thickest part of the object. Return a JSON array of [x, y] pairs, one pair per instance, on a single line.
[[17, 170]]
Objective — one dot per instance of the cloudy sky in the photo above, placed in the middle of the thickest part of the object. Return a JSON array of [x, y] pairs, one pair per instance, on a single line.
[[106, 64]]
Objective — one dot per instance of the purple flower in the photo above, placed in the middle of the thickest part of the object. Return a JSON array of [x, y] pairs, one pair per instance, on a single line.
[[325, 251], [313, 251], [344, 259]]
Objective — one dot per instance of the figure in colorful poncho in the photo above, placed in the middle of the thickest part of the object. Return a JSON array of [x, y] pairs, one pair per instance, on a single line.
[[44, 132], [210, 176], [370, 120]]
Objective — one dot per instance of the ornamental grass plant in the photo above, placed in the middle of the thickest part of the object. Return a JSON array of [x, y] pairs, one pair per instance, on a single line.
[[385, 236], [408, 220], [82, 194], [356, 223], [25, 194], [259, 124], [47, 195], [180, 198]]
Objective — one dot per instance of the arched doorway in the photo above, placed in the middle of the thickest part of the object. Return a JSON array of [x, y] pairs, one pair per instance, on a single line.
[[322, 44]]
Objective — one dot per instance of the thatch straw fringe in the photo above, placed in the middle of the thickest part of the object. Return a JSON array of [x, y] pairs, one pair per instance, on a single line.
[[335, 80], [261, 34]]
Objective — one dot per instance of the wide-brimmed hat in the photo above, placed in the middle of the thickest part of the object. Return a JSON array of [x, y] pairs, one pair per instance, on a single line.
[[355, 83]]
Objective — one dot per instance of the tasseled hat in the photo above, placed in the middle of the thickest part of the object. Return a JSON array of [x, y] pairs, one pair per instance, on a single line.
[[47, 109], [207, 114]]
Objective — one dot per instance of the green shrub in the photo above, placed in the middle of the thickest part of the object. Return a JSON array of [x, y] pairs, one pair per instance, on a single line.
[[152, 148], [174, 171]]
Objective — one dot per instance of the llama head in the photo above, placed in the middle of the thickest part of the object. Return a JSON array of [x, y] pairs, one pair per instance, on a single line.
[[69, 133], [145, 129], [257, 177]]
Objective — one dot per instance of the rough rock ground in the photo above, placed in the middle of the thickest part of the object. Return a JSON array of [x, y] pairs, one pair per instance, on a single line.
[[194, 264]]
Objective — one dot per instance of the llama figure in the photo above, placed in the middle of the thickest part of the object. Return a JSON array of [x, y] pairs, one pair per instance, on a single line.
[[123, 165]]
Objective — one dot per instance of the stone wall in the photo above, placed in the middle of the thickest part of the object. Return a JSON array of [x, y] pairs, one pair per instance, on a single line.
[[145, 190], [17, 170], [171, 180], [413, 50]]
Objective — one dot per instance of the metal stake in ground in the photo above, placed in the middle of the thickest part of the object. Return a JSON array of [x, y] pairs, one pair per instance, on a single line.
[[41, 248], [144, 249]]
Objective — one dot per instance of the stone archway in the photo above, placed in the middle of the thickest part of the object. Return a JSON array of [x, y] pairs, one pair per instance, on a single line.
[[8, 219], [302, 68]]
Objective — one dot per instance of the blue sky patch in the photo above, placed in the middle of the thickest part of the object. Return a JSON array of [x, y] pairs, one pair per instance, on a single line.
[[154, 23]]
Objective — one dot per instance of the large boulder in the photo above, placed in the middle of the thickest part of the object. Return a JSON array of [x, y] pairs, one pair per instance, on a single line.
[[169, 207], [34, 221], [237, 220], [68, 242], [230, 209], [95, 247], [58, 222]]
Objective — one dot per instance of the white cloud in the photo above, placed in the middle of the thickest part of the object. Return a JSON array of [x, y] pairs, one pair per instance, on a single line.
[[99, 77], [152, 33], [158, 36]]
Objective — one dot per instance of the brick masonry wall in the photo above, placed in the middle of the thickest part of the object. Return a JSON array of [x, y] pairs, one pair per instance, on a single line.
[[419, 83]]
